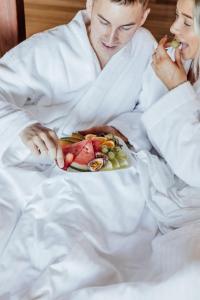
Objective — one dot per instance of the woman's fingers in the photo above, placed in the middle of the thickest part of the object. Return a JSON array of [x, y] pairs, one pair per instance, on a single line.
[[163, 41], [178, 58]]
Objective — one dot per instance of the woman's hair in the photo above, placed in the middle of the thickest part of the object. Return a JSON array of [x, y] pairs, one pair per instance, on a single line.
[[196, 62]]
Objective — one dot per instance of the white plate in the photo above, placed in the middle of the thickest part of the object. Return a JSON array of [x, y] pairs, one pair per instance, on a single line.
[[124, 148]]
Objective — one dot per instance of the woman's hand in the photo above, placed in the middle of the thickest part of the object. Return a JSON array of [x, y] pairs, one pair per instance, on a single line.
[[42, 140], [171, 73], [105, 129]]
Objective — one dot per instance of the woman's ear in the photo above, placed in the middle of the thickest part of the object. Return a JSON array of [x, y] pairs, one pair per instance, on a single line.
[[89, 6]]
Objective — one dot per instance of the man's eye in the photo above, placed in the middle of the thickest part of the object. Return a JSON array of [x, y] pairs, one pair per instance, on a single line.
[[103, 22], [126, 28]]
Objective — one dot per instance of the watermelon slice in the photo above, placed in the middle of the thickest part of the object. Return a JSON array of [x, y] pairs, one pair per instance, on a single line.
[[97, 145], [87, 154], [74, 150]]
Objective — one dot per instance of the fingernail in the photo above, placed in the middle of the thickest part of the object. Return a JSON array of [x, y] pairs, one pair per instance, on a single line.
[[61, 163]]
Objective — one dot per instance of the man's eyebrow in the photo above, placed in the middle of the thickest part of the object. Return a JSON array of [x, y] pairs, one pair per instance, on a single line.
[[100, 16], [129, 24]]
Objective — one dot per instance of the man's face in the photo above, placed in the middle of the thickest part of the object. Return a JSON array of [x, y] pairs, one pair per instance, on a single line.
[[112, 26]]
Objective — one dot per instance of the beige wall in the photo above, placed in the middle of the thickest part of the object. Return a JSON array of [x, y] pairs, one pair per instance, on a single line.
[[44, 14]]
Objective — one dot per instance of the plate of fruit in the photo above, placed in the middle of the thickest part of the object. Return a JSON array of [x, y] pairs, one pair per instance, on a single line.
[[93, 153]]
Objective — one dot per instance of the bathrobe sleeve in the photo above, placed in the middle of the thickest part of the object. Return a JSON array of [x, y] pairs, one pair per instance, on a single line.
[[41, 72], [173, 127], [14, 94]]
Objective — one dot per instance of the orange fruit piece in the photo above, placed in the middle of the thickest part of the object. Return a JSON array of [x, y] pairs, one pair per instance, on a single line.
[[99, 138], [63, 142], [109, 144], [90, 136]]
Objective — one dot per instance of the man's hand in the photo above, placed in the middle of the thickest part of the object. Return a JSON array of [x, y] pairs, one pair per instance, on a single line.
[[171, 73], [105, 129], [42, 140]]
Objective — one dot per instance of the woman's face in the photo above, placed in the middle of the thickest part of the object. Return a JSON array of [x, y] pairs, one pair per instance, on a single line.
[[183, 29]]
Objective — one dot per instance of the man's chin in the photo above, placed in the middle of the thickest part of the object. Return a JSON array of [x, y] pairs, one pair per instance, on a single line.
[[109, 48]]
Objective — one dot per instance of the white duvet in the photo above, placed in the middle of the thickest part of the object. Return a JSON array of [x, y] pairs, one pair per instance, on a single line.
[[90, 236]]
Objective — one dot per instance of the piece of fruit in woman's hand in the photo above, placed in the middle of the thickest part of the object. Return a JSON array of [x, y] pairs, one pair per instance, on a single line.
[[174, 44]]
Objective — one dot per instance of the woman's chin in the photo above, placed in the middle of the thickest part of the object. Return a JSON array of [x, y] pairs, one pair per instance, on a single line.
[[188, 54], [185, 55]]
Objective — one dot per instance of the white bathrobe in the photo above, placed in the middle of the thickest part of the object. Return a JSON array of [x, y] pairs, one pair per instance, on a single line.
[[173, 126], [55, 78]]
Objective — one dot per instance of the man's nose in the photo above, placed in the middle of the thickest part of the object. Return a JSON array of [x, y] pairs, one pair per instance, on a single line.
[[112, 37]]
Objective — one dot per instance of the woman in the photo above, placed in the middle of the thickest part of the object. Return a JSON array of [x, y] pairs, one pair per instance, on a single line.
[[173, 123], [179, 108]]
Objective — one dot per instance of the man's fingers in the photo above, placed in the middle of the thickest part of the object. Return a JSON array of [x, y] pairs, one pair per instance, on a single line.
[[33, 148], [51, 146], [60, 157], [39, 143], [53, 135]]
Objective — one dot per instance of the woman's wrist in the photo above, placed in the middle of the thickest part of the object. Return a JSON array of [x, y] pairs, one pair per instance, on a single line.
[[177, 84]]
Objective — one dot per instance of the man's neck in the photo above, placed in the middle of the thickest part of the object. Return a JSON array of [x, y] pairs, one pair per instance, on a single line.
[[102, 61]]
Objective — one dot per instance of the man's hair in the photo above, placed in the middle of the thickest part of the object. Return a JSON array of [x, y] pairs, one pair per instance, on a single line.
[[128, 2]]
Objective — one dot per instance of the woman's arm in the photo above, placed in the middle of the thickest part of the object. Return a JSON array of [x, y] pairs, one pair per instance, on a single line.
[[173, 123]]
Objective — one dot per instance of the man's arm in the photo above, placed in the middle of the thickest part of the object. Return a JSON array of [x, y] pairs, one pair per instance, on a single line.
[[17, 88]]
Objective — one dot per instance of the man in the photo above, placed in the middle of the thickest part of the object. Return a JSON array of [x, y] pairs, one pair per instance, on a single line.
[[75, 76]]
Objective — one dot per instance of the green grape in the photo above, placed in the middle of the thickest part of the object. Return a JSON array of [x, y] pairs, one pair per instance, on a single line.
[[115, 164], [104, 149], [108, 166], [111, 155], [121, 154], [109, 136], [117, 149], [123, 163]]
